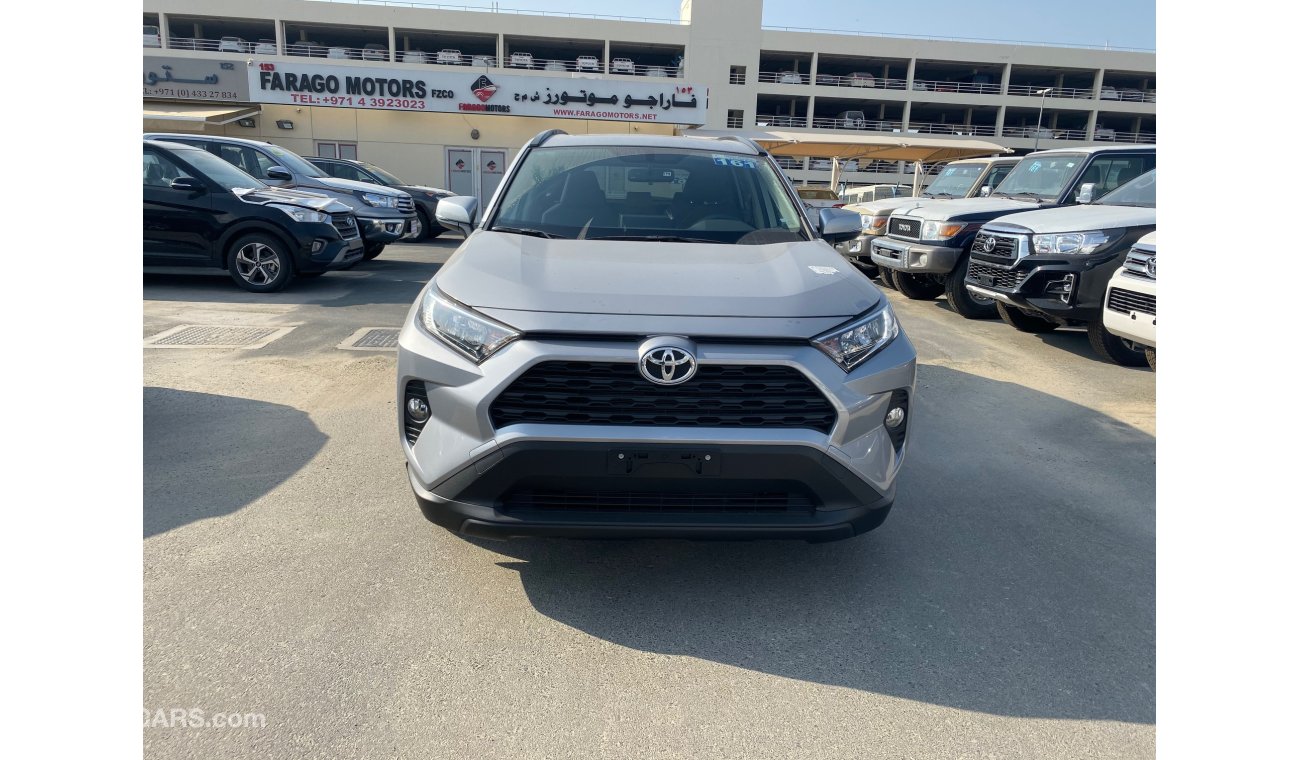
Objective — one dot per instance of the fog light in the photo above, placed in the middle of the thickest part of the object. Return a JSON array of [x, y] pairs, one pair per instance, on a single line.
[[894, 417], [417, 409], [316, 245], [395, 227], [1062, 287]]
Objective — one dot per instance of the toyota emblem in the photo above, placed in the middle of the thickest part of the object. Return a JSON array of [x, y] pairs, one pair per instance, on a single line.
[[667, 365], [986, 243]]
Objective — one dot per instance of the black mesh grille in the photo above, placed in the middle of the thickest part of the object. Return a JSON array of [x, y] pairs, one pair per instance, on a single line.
[[610, 393], [906, 228], [414, 389], [1005, 249], [993, 277], [346, 224], [1125, 301], [658, 501]]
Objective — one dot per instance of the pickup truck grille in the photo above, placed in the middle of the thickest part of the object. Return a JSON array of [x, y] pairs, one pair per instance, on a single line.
[[346, 224], [405, 204], [905, 227], [994, 277], [615, 393], [1125, 301], [993, 246], [1141, 263]]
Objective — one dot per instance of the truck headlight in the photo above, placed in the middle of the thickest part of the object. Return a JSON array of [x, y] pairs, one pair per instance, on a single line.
[[381, 201], [1071, 242], [462, 328], [940, 230], [301, 214], [850, 345], [874, 224]]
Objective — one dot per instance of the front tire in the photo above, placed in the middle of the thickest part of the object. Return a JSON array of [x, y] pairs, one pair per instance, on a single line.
[[887, 278], [1115, 349], [1023, 320], [372, 250], [962, 300], [422, 220], [921, 287], [1151, 358], [259, 263]]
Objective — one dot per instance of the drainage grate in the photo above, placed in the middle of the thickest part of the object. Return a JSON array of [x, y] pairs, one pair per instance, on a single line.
[[216, 336], [372, 339]]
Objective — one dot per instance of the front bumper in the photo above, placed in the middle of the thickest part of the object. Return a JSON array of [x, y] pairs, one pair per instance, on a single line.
[[1129, 313], [858, 248], [916, 258], [325, 250], [475, 479], [1062, 289], [385, 229]]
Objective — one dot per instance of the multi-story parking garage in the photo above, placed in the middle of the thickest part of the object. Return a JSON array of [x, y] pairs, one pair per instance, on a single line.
[[445, 97]]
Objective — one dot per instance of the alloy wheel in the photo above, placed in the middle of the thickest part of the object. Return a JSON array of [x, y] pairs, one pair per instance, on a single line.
[[257, 263]]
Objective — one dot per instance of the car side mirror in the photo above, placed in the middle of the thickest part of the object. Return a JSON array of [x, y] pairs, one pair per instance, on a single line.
[[837, 225], [279, 174], [984, 191], [189, 185], [1086, 191], [459, 213]]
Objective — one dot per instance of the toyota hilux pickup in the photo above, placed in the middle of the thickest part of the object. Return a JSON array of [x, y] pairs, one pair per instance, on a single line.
[[928, 247], [1131, 298], [968, 178], [1049, 269]]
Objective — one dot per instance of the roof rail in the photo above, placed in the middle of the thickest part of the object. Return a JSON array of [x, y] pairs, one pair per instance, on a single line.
[[745, 141], [542, 137]]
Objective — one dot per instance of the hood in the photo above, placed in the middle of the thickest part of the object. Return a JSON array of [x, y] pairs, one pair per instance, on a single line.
[[962, 208], [808, 279], [352, 187], [1148, 240], [885, 205], [1078, 218], [425, 189], [294, 197]]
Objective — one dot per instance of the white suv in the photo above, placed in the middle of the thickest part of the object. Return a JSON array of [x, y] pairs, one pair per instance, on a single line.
[[1131, 297]]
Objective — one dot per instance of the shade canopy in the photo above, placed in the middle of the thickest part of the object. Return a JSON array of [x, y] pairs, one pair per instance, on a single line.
[[204, 113], [838, 144]]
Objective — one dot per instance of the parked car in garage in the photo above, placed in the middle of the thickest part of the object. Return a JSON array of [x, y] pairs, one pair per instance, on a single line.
[[151, 38], [861, 79], [232, 45], [266, 47], [521, 60], [450, 57], [483, 60], [426, 198], [384, 214], [1051, 268], [789, 77], [548, 382], [340, 53], [588, 63], [622, 66], [414, 56], [928, 246], [555, 66], [374, 52], [309, 48], [1131, 298], [656, 71], [815, 198], [201, 211]]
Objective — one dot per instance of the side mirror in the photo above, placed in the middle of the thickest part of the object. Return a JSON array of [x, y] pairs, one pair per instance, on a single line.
[[459, 213], [836, 225], [984, 191], [279, 174], [1085, 192], [189, 185]]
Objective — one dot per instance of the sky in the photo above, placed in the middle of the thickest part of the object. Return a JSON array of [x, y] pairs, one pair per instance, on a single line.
[[1118, 23]]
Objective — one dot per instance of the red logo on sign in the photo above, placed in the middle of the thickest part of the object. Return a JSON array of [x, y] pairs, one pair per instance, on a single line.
[[492, 166], [460, 163], [483, 89], [267, 66]]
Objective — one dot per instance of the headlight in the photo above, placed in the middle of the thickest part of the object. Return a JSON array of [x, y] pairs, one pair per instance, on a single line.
[[850, 345], [1071, 242], [300, 213], [874, 224], [462, 328], [382, 201], [940, 230]]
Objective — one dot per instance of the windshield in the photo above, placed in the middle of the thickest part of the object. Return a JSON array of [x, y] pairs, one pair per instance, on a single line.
[[817, 194], [293, 162], [634, 192], [219, 171], [1138, 192], [1042, 177], [954, 181], [388, 177]]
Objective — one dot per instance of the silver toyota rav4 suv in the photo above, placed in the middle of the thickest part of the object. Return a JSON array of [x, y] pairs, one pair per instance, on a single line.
[[645, 336]]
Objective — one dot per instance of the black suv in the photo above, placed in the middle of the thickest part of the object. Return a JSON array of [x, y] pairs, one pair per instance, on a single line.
[[385, 214], [201, 211], [426, 198]]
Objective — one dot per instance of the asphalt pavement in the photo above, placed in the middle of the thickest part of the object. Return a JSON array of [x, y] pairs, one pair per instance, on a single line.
[[1006, 609]]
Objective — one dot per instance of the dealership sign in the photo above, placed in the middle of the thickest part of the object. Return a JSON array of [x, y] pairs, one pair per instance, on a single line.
[[194, 79], [473, 92]]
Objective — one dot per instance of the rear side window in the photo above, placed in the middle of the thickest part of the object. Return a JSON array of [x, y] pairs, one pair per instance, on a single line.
[[996, 176], [346, 171], [1109, 172]]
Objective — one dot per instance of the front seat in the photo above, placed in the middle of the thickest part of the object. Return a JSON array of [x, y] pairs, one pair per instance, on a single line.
[[582, 203]]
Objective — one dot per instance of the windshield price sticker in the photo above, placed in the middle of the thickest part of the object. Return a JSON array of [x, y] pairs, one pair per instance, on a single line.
[[743, 163]]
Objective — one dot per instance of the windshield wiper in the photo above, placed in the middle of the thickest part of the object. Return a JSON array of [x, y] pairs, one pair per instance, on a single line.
[[525, 231], [938, 195], [655, 238]]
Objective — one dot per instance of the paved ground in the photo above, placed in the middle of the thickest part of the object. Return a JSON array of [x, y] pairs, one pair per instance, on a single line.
[[1005, 610]]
